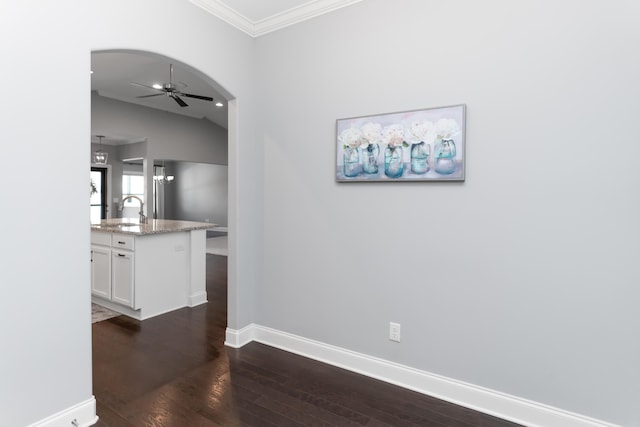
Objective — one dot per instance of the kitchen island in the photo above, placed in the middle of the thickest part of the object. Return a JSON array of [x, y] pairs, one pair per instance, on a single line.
[[146, 269]]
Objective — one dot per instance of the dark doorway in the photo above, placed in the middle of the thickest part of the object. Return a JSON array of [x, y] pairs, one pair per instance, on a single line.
[[98, 201]]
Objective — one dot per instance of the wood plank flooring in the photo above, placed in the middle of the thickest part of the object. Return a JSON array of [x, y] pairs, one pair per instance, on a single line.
[[174, 370]]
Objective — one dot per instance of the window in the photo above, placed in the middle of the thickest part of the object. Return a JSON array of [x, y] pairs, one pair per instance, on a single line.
[[132, 185]]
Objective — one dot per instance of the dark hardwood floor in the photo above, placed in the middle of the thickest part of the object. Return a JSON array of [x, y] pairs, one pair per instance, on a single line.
[[174, 370]]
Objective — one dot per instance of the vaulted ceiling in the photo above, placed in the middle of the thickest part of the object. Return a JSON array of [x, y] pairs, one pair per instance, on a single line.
[[127, 76]]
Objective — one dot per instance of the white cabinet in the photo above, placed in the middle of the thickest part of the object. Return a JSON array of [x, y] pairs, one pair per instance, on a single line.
[[112, 267], [122, 277], [146, 274], [101, 271]]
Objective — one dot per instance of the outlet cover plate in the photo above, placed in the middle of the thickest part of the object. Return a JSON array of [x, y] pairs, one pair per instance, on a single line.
[[394, 331]]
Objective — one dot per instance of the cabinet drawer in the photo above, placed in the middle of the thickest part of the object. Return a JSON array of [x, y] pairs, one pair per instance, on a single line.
[[123, 241], [98, 238]]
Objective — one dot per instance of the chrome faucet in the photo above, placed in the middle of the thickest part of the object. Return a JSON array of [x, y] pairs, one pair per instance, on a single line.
[[143, 218]]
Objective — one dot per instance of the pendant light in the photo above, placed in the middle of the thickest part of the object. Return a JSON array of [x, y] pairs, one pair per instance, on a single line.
[[100, 156], [160, 175]]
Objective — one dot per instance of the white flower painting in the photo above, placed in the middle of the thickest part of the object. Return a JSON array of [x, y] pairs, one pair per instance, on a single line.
[[416, 145]]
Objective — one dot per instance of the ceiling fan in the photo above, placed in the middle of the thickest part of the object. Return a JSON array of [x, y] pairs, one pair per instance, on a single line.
[[171, 90]]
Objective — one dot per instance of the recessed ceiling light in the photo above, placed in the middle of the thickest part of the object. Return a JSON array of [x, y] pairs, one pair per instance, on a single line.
[[219, 104], [157, 86], [91, 71]]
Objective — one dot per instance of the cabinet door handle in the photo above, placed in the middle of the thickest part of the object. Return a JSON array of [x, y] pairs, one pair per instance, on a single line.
[[122, 255], [122, 243]]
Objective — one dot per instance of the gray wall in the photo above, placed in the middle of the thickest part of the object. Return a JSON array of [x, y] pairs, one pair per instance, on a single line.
[[169, 136], [522, 279], [46, 356], [46, 328], [527, 278], [198, 193]]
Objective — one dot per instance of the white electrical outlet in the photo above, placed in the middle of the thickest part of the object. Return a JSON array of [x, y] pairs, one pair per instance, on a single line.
[[394, 331]]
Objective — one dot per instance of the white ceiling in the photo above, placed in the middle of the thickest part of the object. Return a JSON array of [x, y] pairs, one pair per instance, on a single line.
[[113, 72]]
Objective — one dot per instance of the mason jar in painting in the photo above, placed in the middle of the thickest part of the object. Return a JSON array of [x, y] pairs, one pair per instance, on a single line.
[[352, 166], [370, 155], [420, 158], [393, 166], [445, 156]]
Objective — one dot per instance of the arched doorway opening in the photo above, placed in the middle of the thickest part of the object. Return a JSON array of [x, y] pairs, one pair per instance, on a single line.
[[126, 77]]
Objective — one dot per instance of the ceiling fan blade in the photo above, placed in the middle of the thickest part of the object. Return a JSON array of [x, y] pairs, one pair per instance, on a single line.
[[144, 86], [149, 96], [179, 101], [204, 98]]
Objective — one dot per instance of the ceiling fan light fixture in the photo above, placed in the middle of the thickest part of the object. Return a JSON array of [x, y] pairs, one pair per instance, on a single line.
[[100, 156], [172, 90]]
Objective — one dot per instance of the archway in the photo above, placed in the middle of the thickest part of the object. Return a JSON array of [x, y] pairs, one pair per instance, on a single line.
[[166, 152]]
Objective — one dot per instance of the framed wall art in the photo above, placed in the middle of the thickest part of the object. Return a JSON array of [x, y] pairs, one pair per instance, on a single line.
[[417, 145]]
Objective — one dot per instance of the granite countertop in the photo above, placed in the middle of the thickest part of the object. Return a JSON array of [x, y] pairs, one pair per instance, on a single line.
[[154, 226]]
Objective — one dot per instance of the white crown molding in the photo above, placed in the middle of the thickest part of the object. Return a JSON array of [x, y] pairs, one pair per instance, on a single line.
[[227, 14], [501, 405], [284, 19]]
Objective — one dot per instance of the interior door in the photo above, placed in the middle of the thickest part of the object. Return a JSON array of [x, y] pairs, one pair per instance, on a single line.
[[98, 200]]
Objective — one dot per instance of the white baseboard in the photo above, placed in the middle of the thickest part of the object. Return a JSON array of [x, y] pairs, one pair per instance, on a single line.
[[84, 415], [197, 299], [237, 339], [511, 408]]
